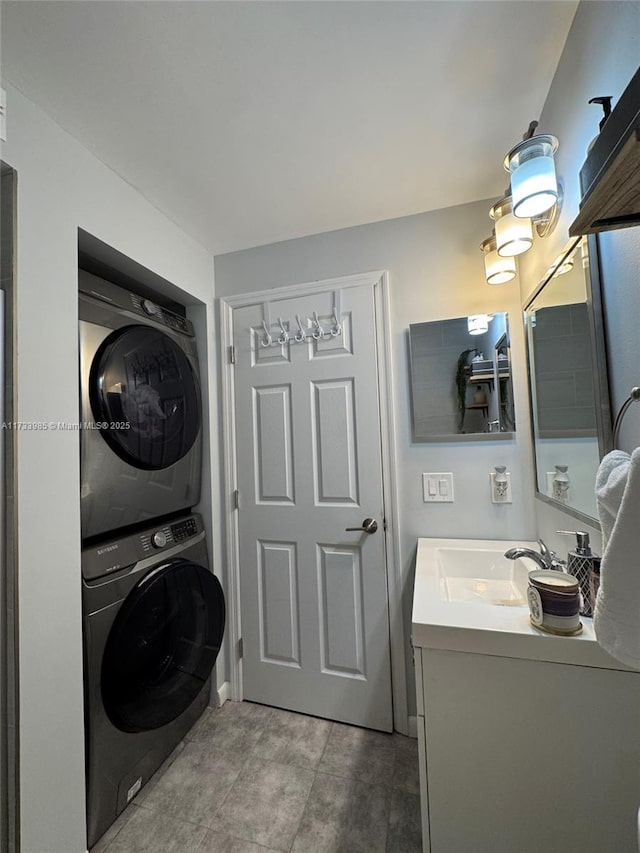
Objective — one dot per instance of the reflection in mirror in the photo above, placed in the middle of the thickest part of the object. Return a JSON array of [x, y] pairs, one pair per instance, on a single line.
[[568, 392], [502, 361], [461, 378]]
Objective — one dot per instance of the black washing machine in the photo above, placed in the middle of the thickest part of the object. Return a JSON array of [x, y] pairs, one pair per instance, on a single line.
[[140, 437], [153, 621]]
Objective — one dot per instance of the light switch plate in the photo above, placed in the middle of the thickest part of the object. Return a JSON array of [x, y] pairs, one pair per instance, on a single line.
[[438, 488]]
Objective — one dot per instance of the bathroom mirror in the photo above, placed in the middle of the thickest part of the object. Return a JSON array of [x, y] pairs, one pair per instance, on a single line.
[[461, 384], [568, 380]]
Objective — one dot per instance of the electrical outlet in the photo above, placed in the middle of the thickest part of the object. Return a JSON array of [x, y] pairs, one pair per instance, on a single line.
[[437, 488], [500, 492], [564, 496]]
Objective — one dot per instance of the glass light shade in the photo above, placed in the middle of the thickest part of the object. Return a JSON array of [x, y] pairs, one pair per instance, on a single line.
[[498, 270], [513, 235], [478, 324], [534, 188]]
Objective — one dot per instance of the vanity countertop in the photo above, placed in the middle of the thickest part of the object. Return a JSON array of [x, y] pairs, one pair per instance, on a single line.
[[491, 629]]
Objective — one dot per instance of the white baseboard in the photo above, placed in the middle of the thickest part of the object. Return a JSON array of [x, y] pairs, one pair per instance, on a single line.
[[224, 693]]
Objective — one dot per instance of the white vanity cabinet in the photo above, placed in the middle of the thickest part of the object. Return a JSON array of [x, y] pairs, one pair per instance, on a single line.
[[528, 743]]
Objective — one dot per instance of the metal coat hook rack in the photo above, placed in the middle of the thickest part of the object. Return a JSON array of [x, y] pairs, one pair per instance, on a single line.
[[313, 330]]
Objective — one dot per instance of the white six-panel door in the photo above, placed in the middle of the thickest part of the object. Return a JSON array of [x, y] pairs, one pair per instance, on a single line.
[[314, 611]]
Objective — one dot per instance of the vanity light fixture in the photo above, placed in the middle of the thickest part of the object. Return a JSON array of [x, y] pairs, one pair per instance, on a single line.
[[534, 198], [497, 269], [478, 324], [513, 235], [534, 187]]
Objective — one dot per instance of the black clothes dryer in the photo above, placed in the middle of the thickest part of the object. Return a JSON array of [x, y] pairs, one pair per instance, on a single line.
[[140, 419], [154, 619]]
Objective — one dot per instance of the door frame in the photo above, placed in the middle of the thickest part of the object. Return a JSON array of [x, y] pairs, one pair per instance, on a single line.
[[378, 280]]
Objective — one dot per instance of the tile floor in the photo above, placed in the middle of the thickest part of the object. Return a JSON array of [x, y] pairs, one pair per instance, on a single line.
[[252, 779]]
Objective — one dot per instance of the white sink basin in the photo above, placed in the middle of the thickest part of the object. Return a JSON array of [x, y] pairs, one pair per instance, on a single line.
[[469, 597], [482, 576]]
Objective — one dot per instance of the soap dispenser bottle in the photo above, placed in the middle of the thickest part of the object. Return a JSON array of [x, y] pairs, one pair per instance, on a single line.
[[580, 564], [605, 103]]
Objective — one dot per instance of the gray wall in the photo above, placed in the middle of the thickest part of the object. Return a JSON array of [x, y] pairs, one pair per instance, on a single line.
[[600, 57], [435, 272]]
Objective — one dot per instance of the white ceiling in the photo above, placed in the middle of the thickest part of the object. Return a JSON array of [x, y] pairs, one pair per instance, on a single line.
[[253, 122]]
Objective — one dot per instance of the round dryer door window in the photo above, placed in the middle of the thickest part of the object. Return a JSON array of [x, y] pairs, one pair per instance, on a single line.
[[162, 646], [144, 391]]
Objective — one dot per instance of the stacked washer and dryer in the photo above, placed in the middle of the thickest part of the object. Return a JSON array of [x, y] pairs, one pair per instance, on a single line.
[[153, 613]]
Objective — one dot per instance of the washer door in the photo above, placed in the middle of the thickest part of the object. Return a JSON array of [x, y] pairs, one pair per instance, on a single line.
[[162, 646], [142, 379]]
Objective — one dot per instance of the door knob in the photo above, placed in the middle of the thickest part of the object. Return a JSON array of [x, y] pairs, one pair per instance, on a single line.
[[369, 525]]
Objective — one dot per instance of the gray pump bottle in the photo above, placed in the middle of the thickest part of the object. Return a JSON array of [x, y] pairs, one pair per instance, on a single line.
[[580, 564]]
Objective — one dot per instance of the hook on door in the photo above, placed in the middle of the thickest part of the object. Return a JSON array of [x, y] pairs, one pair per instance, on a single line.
[[284, 337], [318, 333], [337, 313], [301, 335], [267, 340]]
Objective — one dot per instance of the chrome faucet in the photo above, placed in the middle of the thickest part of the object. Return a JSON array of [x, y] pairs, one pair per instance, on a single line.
[[545, 558]]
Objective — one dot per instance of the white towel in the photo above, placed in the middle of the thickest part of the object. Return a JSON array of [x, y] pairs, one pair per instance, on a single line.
[[610, 484], [617, 613]]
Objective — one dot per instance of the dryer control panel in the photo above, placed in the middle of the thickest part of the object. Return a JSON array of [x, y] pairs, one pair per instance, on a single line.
[[118, 297], [161, 315], [120, 553]]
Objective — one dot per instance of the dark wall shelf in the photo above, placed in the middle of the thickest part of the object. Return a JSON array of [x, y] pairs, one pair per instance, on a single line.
[[610, 176], [615, 200]]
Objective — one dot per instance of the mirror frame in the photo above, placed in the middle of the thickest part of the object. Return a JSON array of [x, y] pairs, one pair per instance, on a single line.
[[600, 369]]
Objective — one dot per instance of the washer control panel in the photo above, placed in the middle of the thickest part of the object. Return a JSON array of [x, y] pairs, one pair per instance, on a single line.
[[156, 540], [115, 554], [184, 529], [159, 539]]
